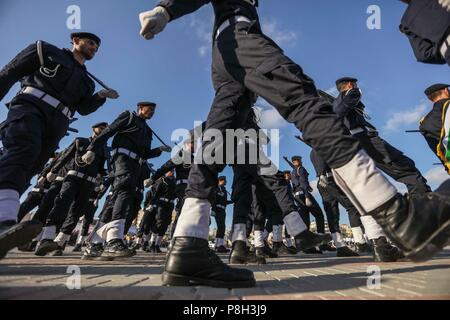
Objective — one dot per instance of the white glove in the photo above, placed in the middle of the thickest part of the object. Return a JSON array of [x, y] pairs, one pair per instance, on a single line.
[[110, 94], [445, 4], [89, 157], [153, 22], [41, 181], [96, 203], [308, 202], [51, 176], [323, 181], [165, 149], [148, 183]]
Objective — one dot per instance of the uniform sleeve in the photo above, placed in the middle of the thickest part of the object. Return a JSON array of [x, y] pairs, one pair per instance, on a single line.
[[303, 177], [120, 123], [158, 190], [444, 151], [179, 8], [90, 104], [25, 63], [349, 102], [68, 154], [152, 153], [166, 167]]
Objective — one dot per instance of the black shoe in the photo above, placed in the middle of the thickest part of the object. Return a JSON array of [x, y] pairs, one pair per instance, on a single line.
[[364, 248], [151, 248], [157, 249], [418, 224], [281, 249], [383, 251], [222, 249], [312, 251], [14, 235], [145, 246], [265, 252], [29, 247], [240, 254], [117, 249], [94, 252], [346, 252], [136, 246], [45, 247], [327, 247], [58, 252], [308, 240], [77, 248], [192, 262]]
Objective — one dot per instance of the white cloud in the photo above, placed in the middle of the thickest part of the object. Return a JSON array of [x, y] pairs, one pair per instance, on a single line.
[[436, 176], [407, 117], [203, 31], [268, 117], [280, 36]]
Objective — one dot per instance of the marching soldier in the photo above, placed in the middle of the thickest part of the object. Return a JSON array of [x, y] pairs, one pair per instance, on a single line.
[[131, 149], [75, 193], [55, 84], [435, 126], [219, 212], [244, 60]]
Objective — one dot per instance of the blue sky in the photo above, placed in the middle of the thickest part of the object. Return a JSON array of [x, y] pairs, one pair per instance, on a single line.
[[329, 39]]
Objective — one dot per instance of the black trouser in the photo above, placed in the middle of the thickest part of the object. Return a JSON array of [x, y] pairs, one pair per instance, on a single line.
[[246, 61], [134, 213], [394, 163], [181, 196], [88, 218], [106, 213], [148, 221], [32, 201], [314, 210], [74, 190], [163, 217], [30, 137], [47, 202], [220, 216]]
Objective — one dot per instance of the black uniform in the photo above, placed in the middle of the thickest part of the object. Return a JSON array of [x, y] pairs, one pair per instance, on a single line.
[[131, 147], [302, 190], [427, 25], [33, 200], [246, 60], [332, 196], [163, 204], [219, 208], [431, 128], [78, 186], [393, 162], [33, 127]]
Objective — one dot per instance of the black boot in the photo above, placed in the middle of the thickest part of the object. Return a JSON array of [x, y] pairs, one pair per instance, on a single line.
[[418, 224], [266, 252], [14, 235], [117, 249], [58, 252], [312, 251], [157, 249], [94, 252], [281, 249], [145, 246], [77, 248], [240, 254], [383, 251], [346, 252], [308, 240], [222, 249], [327, 247], [192, 262], [151, 248], [29, 247], [45, 247], [364, 248]]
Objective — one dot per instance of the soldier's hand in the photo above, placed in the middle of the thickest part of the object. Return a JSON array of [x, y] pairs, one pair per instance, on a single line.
[[153, 22], [96, 203], [88, 157], [308, 202], [148, 183], [110, 94], [41, 181], [51, 176], [323, 181], [165, 149], [445, 4]]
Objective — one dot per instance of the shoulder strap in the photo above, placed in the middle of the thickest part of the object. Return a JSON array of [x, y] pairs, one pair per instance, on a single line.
[[40, 52]]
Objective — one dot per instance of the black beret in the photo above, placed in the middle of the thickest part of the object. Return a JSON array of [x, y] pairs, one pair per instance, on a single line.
[[286, 172], [346, 79], [436, 87], [146, 103], [100, 124], [296, 158], [222, 178], [86, 35]]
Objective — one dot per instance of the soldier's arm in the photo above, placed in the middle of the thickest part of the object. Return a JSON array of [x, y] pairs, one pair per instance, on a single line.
[[304, 182], [120, 123], [348, 103], [289, 163], [25, 63], [179, 8], [152, 153], [166, 167], [90, 104], [69, 154], [157, 192]]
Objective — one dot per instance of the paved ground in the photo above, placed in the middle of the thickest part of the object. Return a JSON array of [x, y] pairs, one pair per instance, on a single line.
[[24, 276]]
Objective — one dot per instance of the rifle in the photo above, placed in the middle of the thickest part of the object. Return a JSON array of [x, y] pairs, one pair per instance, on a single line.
[[413, 131], [289, 162]]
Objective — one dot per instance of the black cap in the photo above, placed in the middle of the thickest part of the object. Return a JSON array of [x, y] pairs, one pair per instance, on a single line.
[[86, 35], [286, 172], [296, 158], [345, 79], [222, 178], [436, 87], [146, 103], [100, 124]]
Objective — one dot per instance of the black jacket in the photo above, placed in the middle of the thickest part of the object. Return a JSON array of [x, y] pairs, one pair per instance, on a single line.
[[426, 24], [221, 198], [181, 169], [431, 125], [62, 77], [164, 188], [321, 167]]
